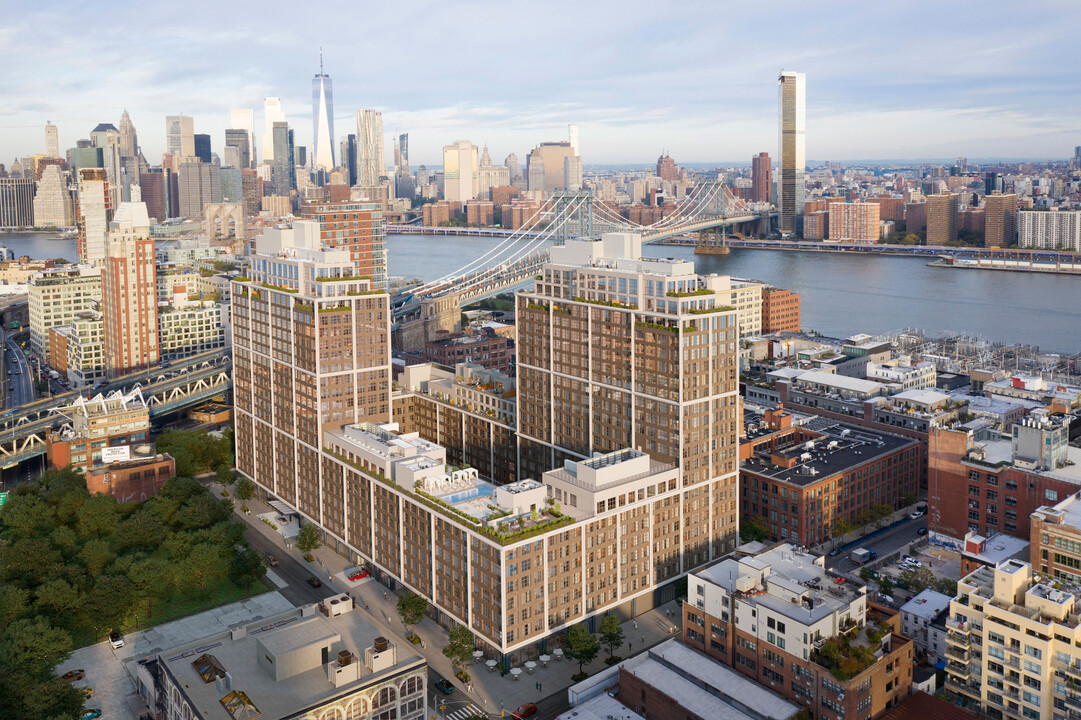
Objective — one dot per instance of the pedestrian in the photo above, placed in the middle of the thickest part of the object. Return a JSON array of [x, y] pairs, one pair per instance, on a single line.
[[540, 688], [384, 594], [365, 604], [630, 647]]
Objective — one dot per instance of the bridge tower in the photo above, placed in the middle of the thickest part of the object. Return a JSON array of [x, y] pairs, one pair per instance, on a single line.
[[583, 215]]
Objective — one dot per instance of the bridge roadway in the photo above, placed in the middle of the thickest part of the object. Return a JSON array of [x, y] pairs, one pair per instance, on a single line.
[[917, 250], [185, 382]]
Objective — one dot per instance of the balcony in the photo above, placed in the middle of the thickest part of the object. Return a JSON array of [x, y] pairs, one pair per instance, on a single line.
[[1073, 670], [972, 691], [956, 638], [956, 669], [957, 654]]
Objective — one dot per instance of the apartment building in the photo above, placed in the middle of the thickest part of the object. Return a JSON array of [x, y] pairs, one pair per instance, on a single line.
[[984, 482], [942, 220], [129, 293], [616, 350], [780, 618], [746, 297], [802, 482], [469, 412], [487, 349], [356, 228], [902, 371], [84, 348], [1000, 229], [190, 328], [1049, 230], [311, 351], [1013, 643], [56, 296], [854, 222]]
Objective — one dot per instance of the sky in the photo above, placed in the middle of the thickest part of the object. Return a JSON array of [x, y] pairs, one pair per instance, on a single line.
[[696, 79]]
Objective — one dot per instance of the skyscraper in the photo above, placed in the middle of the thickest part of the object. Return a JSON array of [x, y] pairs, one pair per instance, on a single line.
[[129, 293], [244, 119], [572, 136], [202, 147], [107, 138], [323, 119], [460, 171], [1000, 218], [792, 121], [129, 142], [357, 228], [93, 213], [272, 113], [761, 177], [667, 168], [370, 156], [283, 167], [199, 185], [572, 173], [406, 188], [52, 141], [52, 198], [179, 137], [239, 139]]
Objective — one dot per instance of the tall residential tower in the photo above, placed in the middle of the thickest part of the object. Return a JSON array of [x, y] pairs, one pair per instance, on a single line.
[[792, 125], [370, 156]]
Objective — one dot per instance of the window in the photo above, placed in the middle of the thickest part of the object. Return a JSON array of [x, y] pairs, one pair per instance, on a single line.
[[1032, 698], [1051, 495]]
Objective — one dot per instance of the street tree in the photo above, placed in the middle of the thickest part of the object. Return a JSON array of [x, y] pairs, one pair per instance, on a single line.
[[582, 646], [308, 539], [611, 636], [245, 490], [411, 609], [459, 649]]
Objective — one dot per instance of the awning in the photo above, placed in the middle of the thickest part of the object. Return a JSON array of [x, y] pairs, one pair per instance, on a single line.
[[282, 508]]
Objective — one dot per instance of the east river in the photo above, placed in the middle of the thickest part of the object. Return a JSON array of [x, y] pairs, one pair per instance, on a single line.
[[841, 294]]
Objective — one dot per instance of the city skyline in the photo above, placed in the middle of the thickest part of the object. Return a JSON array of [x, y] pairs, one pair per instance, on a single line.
[[993, 97]]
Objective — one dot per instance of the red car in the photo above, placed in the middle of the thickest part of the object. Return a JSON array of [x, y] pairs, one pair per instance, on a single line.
[[838, 581], [357, 574], [524, 711]]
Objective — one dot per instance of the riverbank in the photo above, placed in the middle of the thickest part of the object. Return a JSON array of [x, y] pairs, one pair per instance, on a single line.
[[1074, 269]]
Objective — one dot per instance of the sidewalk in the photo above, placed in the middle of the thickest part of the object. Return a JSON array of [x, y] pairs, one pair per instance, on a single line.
[[490, 691]]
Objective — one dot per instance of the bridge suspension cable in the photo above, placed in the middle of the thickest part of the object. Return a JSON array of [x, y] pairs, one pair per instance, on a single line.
[[512, 244]]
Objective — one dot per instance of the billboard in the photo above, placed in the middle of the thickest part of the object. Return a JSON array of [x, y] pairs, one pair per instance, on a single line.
[[115, 454]]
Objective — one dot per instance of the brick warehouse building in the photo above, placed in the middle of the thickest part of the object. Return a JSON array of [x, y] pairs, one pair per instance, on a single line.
[[983, 482], [780, 310], [779, 618], [802, 480]]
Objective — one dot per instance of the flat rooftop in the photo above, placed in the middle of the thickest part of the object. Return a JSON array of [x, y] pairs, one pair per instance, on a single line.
[[927, 605], [385, 443], [999, 548], [706, 687], [601, 707], [841, 448], [1001, 451], [791, 571], [356, 629], [840, 382]]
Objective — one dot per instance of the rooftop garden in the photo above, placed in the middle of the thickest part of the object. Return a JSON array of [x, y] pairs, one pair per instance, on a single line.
[[703, 311], [605, 303], [506, 534], [689, 293], [343, 278], [853, 651]]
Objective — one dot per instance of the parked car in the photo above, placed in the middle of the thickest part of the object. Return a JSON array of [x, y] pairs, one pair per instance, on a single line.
[[90, 714], [314, 582], [916, 515], [73, 675], [838, 581], [443, 685], [524, 711], [89, 692], [921, 531], [116, 639], [835, 552], [357, 574], [271, 560]]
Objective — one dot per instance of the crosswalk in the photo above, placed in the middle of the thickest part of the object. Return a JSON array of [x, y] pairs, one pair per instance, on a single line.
[[463, 713]]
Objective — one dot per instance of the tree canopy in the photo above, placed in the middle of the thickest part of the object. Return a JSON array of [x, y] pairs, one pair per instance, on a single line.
[[74, 566]]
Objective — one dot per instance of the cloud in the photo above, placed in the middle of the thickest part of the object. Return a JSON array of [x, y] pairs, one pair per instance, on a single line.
[[916, 79]]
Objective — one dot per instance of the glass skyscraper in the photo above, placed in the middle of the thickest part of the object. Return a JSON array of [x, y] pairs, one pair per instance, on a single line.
[[323, 119]]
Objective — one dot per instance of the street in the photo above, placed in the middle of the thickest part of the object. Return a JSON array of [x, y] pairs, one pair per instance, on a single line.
[[19, 388], [895, 540], [292, 571]]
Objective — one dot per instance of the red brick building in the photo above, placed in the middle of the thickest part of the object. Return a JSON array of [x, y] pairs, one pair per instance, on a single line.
[[490, 350], [780, 310], [982, 482], [801, 482], [358, 228], [480, 213], [504, 194]]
